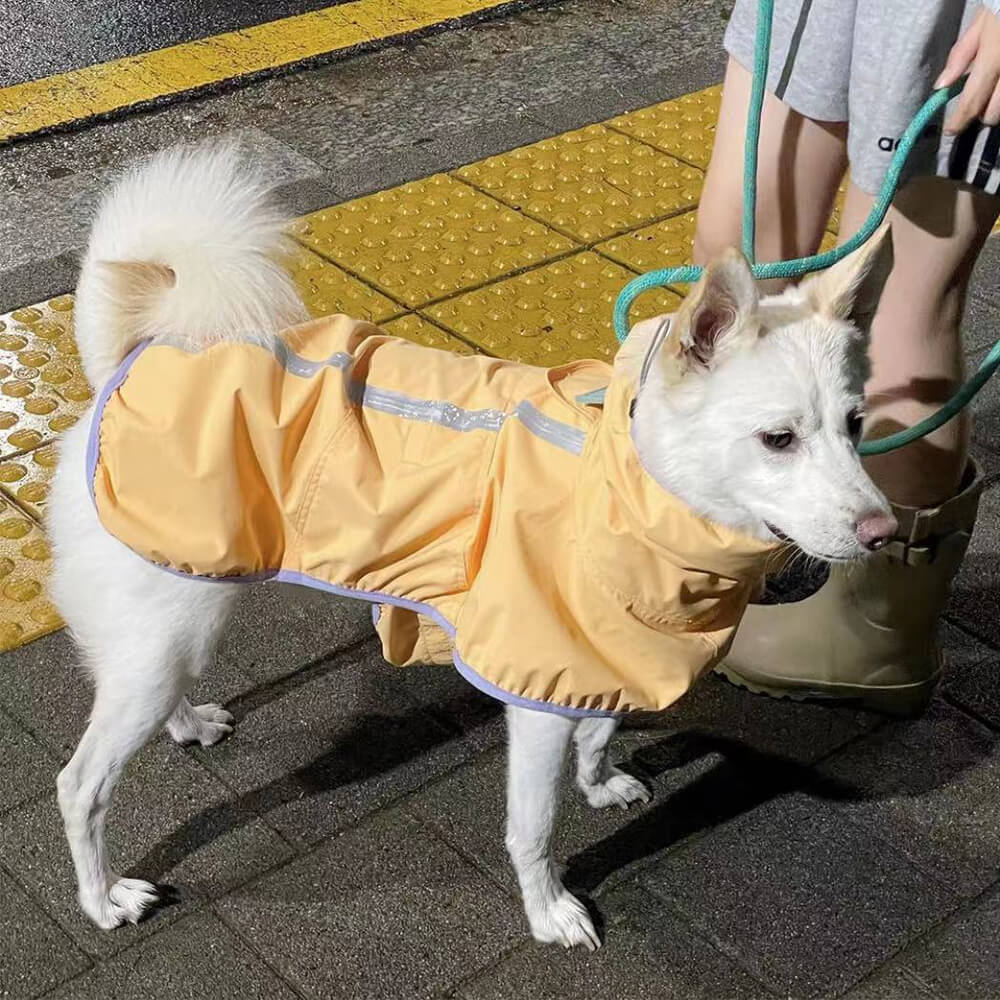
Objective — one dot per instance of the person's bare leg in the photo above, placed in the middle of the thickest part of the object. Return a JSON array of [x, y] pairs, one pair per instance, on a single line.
[[938, 230], [800, 165]]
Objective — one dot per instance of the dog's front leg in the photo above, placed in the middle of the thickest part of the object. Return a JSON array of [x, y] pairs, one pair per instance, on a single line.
[[601, 782], [538, 744]]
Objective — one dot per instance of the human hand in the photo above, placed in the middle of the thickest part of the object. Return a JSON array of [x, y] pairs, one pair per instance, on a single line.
[[977, 53]]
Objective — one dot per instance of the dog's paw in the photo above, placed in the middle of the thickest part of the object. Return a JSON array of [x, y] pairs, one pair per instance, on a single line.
[[620, 789], [564, 921], [202, 724], [128, 901]]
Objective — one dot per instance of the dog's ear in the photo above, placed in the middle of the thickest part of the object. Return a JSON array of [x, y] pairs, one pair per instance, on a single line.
[[719, 309], [851, 289]]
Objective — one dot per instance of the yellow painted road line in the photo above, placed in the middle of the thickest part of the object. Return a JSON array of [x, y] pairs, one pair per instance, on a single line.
[[26, 108]]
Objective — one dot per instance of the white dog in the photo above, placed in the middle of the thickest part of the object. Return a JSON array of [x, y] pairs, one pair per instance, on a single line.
[[759, 432]]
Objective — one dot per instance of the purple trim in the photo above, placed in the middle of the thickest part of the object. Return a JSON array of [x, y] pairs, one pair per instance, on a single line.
[[93, 437], [480, 682], [475, 679], [373, 596]]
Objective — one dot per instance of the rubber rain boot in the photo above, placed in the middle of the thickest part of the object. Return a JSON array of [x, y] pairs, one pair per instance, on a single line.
[[869, 634]]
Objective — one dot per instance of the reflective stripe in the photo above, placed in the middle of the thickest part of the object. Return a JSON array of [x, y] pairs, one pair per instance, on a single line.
[[434, 411], [554, 431], [428, 411]]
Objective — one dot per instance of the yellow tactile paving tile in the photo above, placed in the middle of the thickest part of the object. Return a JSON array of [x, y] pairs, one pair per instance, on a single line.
[[684, 127], [589, 184], [828, 242], [551, 315], [25, 479], [25, 612], [42, 390], [428, 239], [833, 225], [664, 244], [423, 331], [326, 288]]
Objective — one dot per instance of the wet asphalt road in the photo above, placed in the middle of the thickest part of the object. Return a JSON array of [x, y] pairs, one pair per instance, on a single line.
[[42, 37]]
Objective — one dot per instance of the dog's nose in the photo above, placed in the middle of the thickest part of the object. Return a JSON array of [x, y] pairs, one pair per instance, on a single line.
[[875, 529]]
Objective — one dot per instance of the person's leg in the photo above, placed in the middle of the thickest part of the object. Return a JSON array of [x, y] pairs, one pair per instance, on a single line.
[[938, 230], [800, 164]]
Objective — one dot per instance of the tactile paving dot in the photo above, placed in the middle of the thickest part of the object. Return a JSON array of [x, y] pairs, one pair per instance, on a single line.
[[664, 244], [684, 127], [42, 388], [428, 239], [554, 314], [423, 331], [327, 289], [591, 184], [25, 612], [25, 479]]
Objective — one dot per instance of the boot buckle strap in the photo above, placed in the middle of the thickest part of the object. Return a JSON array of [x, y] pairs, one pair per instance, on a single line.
[[910, 554]]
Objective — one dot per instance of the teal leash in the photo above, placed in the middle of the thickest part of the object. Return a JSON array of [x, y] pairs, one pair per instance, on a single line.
[[687, 274]]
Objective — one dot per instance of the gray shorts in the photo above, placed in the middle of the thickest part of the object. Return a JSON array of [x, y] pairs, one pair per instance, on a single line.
[[872, 64]]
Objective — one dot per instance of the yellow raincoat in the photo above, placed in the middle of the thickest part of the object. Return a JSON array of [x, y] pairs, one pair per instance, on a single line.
[[477, 494]]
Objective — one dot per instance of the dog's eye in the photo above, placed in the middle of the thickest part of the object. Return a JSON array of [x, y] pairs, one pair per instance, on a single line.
[[777, 441], [855, 420]]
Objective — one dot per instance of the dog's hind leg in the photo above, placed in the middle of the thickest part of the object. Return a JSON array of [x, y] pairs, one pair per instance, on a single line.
[[140, 677], [145, 636], [601, 782], [537, 753]]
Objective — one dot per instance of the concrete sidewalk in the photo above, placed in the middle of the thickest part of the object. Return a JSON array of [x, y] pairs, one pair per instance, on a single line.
[[347, 840]]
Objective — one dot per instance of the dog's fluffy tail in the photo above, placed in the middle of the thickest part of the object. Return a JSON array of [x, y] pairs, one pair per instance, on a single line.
[[186, 246]]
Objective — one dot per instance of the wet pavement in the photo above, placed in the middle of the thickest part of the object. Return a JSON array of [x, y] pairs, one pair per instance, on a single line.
[[347, 840], [41, 37]]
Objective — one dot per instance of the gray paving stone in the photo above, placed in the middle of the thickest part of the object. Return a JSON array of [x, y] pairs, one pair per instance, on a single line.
[[451, 698], [737, 723], [474, 92], [52, 217], [385, 910], [279, 628], [35, 955], [171, 822], [670, 49], [648, 954], [28, 769], [975, 600], [599, 847], [893, 982], [981, 323], [38, 279], [332, 745], [805, 900], [930, 787], [972, 673], [43, 687], [985, 407], [958, 961], [984, 282], [196, 958]]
